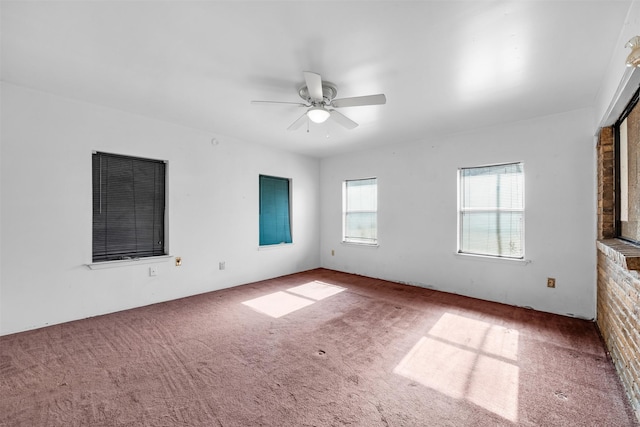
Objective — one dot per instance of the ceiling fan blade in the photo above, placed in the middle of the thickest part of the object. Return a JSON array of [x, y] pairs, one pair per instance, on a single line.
[[358, 101], [343, 120], [299, 122], [300, 104], [314, 85]]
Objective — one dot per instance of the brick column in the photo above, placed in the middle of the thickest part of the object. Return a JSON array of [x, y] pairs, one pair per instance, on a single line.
[[606, 192]]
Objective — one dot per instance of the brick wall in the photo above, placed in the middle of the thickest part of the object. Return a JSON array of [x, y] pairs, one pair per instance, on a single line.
[[618, 292]]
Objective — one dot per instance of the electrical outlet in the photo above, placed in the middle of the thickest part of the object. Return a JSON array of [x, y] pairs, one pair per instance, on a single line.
[[551, 282], [153, 271], [178, 261], [221, 265], [333, 252]]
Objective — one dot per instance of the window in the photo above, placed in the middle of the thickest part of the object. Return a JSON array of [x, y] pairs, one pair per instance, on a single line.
[[360, 211], [491, 210], [627, 146], [128, 207], [275, 223]]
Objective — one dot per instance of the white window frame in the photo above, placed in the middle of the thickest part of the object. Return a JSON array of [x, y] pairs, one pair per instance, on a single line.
[[345, 212], [463, 209]]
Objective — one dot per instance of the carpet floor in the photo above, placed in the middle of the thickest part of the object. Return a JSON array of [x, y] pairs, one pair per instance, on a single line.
[[319, 348]]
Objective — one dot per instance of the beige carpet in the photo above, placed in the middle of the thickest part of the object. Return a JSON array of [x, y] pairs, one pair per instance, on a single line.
[[320, 348]]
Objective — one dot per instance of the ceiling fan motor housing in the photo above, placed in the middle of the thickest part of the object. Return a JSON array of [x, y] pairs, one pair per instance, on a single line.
[[329, 92]]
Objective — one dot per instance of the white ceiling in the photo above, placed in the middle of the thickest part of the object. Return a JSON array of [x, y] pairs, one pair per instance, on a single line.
[[445, 66]]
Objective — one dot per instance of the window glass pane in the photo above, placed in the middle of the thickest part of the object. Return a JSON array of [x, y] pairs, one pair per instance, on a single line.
[[362, 195], [361, 226], [492, 187], [628, 168], [492, 233]]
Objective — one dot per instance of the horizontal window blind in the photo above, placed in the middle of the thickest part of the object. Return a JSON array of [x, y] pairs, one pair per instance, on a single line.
[[492, 210], [128, 207]]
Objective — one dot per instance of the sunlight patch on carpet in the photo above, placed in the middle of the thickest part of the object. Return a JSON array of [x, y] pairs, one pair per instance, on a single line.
[[281, 303], [316, 290], [278, 304], [468, 359], [478, 335]]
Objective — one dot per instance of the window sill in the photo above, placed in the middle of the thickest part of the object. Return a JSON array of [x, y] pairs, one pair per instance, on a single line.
[[127, 262], [623, 253], [367, 245], [276, 246], [493, 258]]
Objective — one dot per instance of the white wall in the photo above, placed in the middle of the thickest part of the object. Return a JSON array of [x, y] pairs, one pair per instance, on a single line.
[[47, 142], [417, 225]]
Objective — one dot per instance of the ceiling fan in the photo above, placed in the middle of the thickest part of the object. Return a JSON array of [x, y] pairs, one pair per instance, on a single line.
[[320, 102]]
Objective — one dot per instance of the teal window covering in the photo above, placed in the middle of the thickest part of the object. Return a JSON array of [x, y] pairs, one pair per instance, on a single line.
[[275, 222]]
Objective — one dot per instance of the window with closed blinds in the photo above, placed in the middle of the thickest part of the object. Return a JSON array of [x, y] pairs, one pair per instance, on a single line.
[[128, 207], [360, 211], [275, 222], [491, 213]]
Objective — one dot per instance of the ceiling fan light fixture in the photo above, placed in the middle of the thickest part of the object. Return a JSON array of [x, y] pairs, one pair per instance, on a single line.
[[318, 114], [633, 60]]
